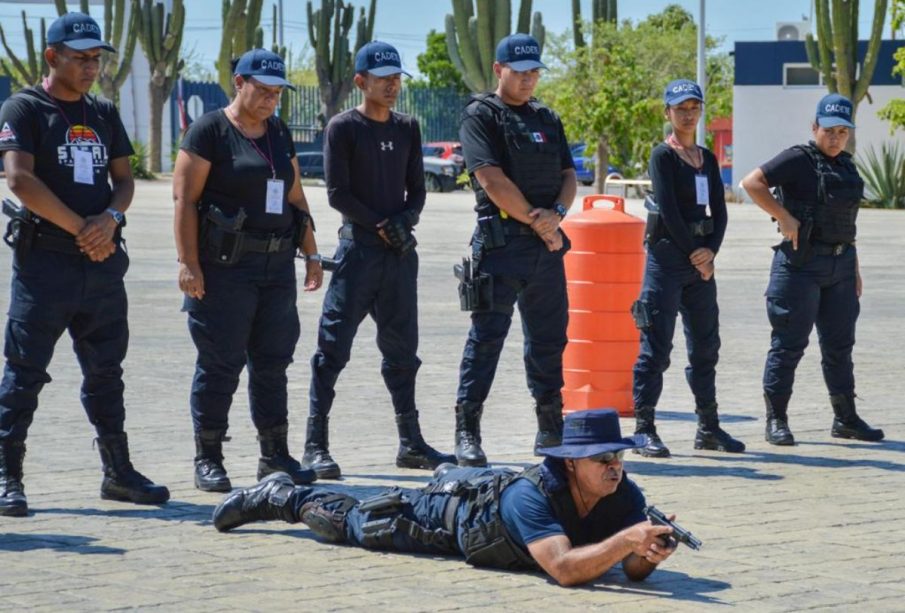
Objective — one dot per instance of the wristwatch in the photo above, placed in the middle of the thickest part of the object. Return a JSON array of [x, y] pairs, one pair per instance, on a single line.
[[314, 257], [116, 215], [560, 209]]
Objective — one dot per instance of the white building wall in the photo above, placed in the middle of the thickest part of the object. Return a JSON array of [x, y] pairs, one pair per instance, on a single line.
[[767, 119]]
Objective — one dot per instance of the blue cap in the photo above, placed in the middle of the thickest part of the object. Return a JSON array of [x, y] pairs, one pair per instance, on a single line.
[[520, 51], [77, 31], [265, 66], [834, 110], [589, 433], [681, 90], [380, 59]]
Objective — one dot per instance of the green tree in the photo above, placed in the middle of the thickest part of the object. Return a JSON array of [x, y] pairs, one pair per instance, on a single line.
[[894, 112], [436, 67]]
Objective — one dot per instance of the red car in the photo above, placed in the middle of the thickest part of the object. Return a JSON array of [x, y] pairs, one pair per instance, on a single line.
[[448, 150]]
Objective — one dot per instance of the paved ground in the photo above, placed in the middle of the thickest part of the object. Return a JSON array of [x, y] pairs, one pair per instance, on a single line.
[[809, 527]]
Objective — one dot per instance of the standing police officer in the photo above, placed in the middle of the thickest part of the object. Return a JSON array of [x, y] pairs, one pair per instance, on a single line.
[[682, 238], [375, 178], [523, 176], [814, 277], [61, 147]]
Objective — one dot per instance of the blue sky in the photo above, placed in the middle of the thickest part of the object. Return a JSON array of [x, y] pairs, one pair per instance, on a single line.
[[405, 23]]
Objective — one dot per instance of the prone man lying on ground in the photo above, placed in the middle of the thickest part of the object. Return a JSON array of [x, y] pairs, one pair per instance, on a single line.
[[575, 515]]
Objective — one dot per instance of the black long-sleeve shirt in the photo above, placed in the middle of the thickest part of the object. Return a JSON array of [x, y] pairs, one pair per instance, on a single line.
[[674, 190], [373, 169]]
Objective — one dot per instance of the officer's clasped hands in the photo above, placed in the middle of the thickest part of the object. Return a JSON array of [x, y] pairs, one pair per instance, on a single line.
[[546, 225], [96, 237]]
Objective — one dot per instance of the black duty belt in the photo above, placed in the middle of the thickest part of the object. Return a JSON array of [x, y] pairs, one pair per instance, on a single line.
[[701, 228], [370, 238], [54, 242], [267, 244], [829, 248], [515, 228]]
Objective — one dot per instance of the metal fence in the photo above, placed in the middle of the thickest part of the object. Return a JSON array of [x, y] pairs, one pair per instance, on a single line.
[[437, 110]]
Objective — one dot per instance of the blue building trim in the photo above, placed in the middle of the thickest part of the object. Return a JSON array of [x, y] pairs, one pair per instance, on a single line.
[[760, 63]]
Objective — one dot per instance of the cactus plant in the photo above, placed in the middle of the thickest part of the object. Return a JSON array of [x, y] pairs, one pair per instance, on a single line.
[[601, 10], [115, 67], [333, 57], [241, 31], [471, 36], [23, 72], [834, 53], [160, 34], [281, 51]]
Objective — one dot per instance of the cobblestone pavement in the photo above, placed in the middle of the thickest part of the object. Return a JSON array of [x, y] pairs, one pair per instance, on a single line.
[[812, 527]]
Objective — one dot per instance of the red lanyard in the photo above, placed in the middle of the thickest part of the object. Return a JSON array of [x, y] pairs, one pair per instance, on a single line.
[[45, 85], [673, 142], [268, 159]]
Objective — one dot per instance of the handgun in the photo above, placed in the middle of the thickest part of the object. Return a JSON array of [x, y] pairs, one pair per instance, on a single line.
[[679, 533]]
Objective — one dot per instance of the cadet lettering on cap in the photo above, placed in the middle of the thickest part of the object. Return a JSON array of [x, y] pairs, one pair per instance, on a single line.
[[386, 56], [684, 87], [273, 65], [526, 50], [837, 108], [86, 28]]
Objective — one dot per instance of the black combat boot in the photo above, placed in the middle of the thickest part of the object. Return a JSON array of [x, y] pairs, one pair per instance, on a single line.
[[275, 456], [644, 424], [210, 476], [777, 430], [847, 424], [317, 457], [121, 480], [269, 499], [468, 435], [414, 452], [12, 492], [710, 435], [549, 424]]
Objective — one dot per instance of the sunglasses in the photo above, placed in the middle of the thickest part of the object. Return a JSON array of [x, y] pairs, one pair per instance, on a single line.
[[608, 457]]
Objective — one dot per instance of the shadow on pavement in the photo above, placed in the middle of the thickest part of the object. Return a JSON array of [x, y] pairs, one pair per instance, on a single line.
[[726, 418], [174, 511], [815, 461], [668, 584], [58, 542], [680, 470], [886, 445]]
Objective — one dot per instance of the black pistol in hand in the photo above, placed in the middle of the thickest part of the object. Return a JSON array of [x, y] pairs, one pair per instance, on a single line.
[[678, 532]]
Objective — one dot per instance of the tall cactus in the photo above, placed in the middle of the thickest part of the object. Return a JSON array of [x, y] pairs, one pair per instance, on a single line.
[[601, 10], [281, 51], [333, 57], [29, 70], [160, 34], [114, 67], [471, 36], [834, 53], [241, 31]]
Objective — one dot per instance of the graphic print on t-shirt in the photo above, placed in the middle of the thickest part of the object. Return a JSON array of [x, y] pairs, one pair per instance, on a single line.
[[83, 138], [6, 133]]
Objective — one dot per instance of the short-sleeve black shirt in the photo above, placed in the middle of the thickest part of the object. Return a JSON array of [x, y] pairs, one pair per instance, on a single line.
[[33, 122], [794, 172], [239, 173], [483, 140]]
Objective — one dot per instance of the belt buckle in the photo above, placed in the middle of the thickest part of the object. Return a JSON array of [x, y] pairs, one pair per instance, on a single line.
[[838, 249], [273, 244]]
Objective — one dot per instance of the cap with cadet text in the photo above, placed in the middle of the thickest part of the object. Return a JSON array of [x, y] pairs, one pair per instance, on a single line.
[[77, 31], [265, 66], [520, 52], [681, 90], [834, 110], [380, 59]]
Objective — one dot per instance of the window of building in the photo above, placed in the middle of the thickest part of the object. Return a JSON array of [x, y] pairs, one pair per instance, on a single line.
[[801, 75]]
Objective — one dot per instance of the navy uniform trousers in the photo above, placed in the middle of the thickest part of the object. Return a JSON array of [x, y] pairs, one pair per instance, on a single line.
[[420, 507], [673, 286], [247, 317], [53, 292], [822, 292], [526, 273], [370, 279]]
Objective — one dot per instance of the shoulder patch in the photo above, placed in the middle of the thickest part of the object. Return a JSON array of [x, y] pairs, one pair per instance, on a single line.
[[6, 133]]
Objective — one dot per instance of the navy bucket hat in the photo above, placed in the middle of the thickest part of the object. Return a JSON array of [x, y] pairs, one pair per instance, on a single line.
[[590, 433], [265, 66], [77, 31]]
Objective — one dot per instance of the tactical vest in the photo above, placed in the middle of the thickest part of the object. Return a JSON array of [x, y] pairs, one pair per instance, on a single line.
[[839, 192], [532, 156]]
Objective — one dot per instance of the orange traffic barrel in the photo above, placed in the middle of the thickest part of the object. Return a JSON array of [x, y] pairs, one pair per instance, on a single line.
[[604, 269]]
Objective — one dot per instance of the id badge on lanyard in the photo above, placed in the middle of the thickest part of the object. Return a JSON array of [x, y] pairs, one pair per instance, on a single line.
[[274, 201], [82, 167], [702, 190]]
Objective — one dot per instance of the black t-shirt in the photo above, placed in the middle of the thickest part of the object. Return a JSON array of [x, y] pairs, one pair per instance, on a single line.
[[794, 171], [483, 140], [33, 122], [675, 191], [239, 173], [373, 169]]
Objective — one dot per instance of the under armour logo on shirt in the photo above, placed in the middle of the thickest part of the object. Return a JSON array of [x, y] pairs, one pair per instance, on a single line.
[[386, 145]]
